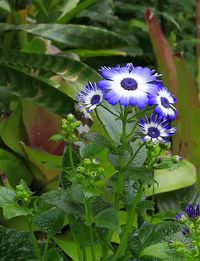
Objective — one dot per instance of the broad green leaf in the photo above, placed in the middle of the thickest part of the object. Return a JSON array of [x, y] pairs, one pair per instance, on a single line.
[[66, 17], [72, 35], [15, 244], [67, 7], [50, 221], [151, 234], [57, 198], [7, 196], [13, 168], [96, 145], [173, 179], [66, 243], [36, 45], [47, 164], [54, 255], [158, 251], [107, 218], [7, 125], [37, 90], [11, 210], [4, 5], [41, 125]]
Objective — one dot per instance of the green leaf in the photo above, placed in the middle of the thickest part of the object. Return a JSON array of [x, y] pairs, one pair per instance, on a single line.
[[7, 125], [70, 14], [57, 198], [38, 90], [36, 45], [97, 144], [50, 221], [158, 250], [72, 35], [48, 165], [54, 255], [107, 218], [151, 234], [15, 244], [11, 210], [7, 196], [10, 164], [4, 5], [169, 180]]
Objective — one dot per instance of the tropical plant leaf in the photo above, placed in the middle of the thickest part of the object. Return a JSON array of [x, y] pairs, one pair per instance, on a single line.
[[72, 35], [37, 90], [10, 164], [173, 179]]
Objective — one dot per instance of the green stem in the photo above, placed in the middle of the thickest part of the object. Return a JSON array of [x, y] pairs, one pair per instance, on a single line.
[[120, 176], [71, 157], [89, 221], [131, 215], [35, 242], [134, 155], [110, 111], [46, 247]]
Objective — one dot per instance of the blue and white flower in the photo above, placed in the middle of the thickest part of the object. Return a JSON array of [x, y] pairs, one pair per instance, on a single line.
[[90, 98], [156, 129], [164, 102], [128, 85]]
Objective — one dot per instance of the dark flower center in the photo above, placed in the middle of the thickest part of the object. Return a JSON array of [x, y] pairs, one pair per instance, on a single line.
[[129, 84], [95, 99], [153, 132], [165, 103]]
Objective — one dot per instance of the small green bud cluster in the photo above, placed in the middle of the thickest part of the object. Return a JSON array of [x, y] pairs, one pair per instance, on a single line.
[[89, 170], [152, 154], [69, 125], [178, 246], [23, 193]]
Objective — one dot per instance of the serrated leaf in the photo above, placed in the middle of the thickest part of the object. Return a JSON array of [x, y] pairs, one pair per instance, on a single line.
[[50, 221], [7, 196], [107, 218], [157, 250], [11, 210], [14, 244], [53, 255]]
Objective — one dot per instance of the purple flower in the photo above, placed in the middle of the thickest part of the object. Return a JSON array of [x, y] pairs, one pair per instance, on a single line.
[[128, 85], [156, 129], [164, 102], [91, 97], [193, 212], [180, 216]]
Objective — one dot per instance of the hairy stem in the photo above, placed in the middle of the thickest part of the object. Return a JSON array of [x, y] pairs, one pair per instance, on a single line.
[[35, 242], [131, 215]]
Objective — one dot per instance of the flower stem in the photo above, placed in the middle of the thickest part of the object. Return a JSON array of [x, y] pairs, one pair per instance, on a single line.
[[35, 242], [46, 248], [89, 222], [71, 157], [120, 176], [131, 215]]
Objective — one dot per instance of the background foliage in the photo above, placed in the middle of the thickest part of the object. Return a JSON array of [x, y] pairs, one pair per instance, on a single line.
[[50, 49]]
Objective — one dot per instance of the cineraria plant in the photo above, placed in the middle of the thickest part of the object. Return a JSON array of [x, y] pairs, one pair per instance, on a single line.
[[107, 213]]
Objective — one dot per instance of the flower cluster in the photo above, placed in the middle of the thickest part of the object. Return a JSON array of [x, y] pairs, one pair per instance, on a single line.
[[134, 86], [190, 218]]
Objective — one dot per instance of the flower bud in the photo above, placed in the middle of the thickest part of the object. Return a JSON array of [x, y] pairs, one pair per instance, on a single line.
[[86, 161], [80, 169], [70, 117]]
